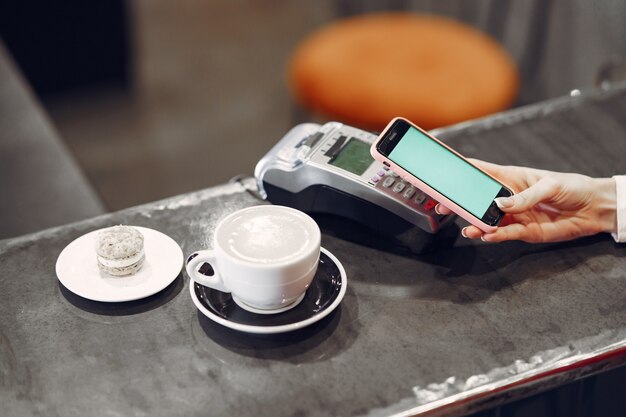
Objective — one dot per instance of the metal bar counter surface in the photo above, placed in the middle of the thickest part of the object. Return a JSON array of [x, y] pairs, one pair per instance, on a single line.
[[448, 332]]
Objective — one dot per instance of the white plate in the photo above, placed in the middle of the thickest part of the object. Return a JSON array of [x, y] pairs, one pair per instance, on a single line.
[[77, 269], [323, 296]]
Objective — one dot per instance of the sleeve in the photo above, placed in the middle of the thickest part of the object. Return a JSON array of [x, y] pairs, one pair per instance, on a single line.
[[620, 185]]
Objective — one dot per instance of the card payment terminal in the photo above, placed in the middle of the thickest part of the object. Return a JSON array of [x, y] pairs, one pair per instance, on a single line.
[[328, 169]]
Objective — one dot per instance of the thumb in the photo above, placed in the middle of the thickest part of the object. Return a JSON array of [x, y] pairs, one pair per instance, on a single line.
[[542, 190]]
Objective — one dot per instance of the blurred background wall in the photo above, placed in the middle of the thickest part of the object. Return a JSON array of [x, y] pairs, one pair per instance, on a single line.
[[157, 98]]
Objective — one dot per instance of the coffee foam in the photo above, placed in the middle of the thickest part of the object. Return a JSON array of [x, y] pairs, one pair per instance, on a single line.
[[266, 238]]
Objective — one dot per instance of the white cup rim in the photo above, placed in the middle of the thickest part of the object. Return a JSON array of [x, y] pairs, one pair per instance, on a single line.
[[279, 264]]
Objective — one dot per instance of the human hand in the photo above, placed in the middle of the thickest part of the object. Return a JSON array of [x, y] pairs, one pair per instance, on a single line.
[[548, 206]]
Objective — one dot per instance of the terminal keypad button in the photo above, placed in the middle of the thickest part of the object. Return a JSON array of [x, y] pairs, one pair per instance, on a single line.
[[430, 204], [388, 182], [409, 193], [420, 197], [399, 187]]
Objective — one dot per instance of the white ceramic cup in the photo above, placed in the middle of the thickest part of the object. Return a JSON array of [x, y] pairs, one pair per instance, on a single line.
[[266, 256]]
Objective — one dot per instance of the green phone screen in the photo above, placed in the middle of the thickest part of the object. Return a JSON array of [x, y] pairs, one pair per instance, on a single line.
[[445, 171]]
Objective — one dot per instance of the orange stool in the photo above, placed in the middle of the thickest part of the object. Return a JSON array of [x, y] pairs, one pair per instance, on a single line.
[[434, 71]]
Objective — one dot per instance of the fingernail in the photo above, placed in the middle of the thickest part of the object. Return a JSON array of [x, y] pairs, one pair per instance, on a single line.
[[504, 202], [463, 232], [437, 209], [482, 237]]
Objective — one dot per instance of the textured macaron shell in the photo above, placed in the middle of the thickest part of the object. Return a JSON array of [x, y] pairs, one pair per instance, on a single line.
[[120, 250], [119, 242]]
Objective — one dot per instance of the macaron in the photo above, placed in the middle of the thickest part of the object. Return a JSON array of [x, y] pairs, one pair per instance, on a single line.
[[120, 250]]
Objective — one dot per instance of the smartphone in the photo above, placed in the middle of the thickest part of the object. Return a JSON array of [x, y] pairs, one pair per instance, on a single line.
[[441, 172]]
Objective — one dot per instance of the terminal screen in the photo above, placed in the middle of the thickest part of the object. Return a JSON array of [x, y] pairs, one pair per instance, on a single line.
[[353, 157]]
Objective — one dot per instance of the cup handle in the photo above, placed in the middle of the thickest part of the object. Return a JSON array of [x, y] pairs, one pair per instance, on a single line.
[[214, 280]]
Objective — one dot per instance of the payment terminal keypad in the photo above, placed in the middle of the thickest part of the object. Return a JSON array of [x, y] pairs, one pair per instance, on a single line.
[[391, 184]]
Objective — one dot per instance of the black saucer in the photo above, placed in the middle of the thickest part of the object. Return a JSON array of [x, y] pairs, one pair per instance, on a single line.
[[323, 296]]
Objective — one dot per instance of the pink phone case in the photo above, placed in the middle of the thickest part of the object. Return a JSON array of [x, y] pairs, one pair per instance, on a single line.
[[424, 187]]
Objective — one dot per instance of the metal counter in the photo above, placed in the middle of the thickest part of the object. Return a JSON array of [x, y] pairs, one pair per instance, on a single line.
[[464, 327]]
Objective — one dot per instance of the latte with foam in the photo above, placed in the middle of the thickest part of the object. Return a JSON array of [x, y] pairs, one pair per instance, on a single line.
[[267, 238]]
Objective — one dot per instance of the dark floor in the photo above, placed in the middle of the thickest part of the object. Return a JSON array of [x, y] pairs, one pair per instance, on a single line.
[[206, 74]]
